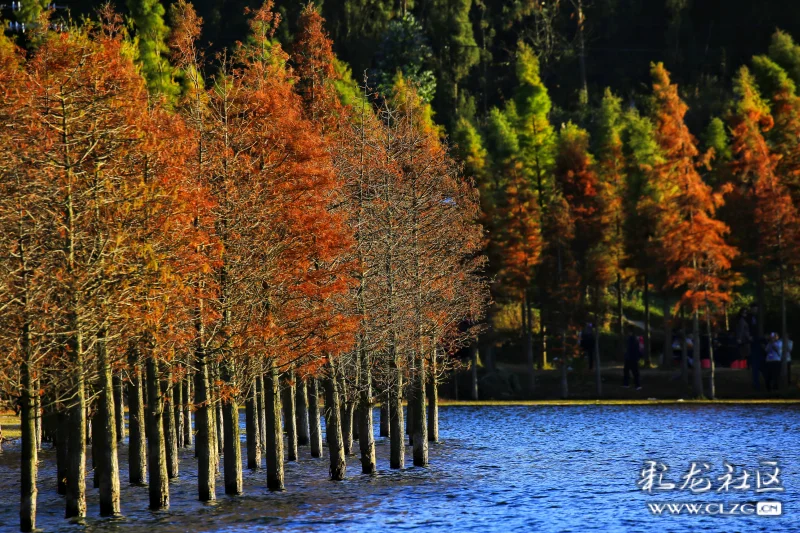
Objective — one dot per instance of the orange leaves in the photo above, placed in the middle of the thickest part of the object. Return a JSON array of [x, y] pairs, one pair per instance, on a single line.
[[691, 239]]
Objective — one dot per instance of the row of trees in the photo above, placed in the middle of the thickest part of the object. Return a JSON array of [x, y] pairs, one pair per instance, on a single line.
[[642, 202], [188, 242]]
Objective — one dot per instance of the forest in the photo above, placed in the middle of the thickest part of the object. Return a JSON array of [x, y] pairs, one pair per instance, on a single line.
[[312, 210]]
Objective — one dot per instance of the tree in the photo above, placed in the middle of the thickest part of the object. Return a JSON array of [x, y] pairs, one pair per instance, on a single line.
[[755, 167], [692, 239], [151, 34], [405, 49]]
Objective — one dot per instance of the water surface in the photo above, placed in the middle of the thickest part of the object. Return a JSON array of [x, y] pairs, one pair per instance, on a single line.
[[509, 468]]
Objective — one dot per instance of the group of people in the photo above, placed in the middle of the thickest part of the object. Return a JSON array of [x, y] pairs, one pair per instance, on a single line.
[[763, 353]]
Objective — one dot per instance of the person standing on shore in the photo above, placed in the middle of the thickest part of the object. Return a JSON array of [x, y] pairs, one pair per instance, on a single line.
[[632, 354], [772, 370]]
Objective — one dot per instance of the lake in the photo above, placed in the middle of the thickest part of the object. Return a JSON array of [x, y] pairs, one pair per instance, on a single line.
[[498, 468]]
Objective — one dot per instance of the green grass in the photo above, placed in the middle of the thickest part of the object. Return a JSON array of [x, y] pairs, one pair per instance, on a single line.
[[10, 425]]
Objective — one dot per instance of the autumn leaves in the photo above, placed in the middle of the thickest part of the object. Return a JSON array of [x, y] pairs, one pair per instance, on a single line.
[[219, 248]]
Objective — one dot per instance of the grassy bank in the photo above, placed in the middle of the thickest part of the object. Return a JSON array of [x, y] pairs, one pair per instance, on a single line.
[[10, 424]]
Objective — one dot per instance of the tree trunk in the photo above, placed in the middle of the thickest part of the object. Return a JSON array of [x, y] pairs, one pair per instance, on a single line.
[[684, 353], [29, 456], [666, 361], [205, 443], [137, 447], [230, 423], [188, 433], [107, 431], [274, 451], [219, 419], [261, 402], [647, 351], [474, 373], [76, 458], [528, 338], [783, 381], [301, 411], [711, 383], [564, 363], [289, 418], [345, 414], [38, 413], [119, 407], [697, 367], [366, 438], [420, 427], [170, 433], [315, 427], [396, 434], [62, 449], [177, 412], [252, 430], [620, 319], [383, 430], [156, 447], [333, 427], [433, 402]]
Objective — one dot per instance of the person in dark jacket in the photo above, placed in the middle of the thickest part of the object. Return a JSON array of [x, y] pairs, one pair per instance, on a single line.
[[632, 354]]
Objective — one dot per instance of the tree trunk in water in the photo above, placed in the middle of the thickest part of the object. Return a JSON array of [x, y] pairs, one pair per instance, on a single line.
[[289, 418], [94, 440], [697, 367], [345, 416], [107, 431], [301, 410], [230, 425], [177, 412], [62, 450], [119, 407], [474, 374], [76, 445], [205, 443], [383, 430], [170, 433], [156, 447], [647, 350], [37, 413], [252, 430], [666, 361], [420, 427], [315, 427], [261, 403], [396, 434], [366, 438], [433, 402], [188, 433], [333, 427], [29, 458], [137, 447], [274, 451], [220, 430]]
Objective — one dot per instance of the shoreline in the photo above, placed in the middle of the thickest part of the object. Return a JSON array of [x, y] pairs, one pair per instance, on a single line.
[[632, 401]]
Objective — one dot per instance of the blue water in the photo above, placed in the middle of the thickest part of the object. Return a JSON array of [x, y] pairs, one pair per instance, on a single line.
[[501, 469]]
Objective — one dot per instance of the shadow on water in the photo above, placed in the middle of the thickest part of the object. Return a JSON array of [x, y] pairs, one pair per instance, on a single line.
[[509, 468]]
